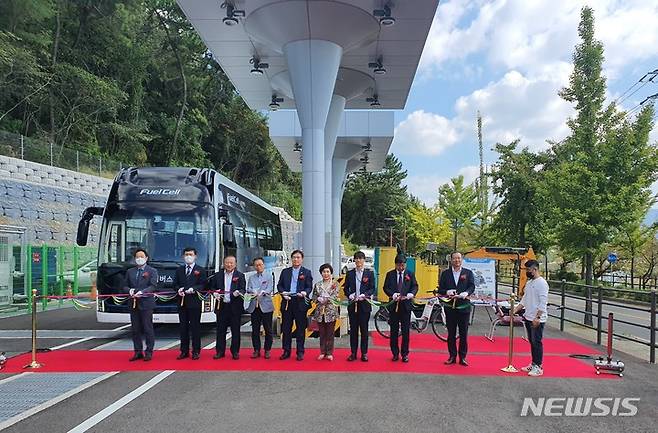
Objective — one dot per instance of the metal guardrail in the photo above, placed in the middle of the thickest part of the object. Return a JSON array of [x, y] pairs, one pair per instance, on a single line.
[[594, 296]]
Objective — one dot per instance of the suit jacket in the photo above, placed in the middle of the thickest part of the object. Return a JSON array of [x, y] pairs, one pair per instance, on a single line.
[[148, 283], [409, 285], [253, 287], [238, 283], [304, 284], [367, 286], [466, 283], [196, 280]]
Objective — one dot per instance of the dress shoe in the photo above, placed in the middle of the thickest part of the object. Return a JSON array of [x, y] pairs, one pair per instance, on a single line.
[[351, 358], [405, 358], [330, 357], [148, 356], [449, 361], [182, 356], [463, 362], [195, 356], [256, 354], [364, 358], [267, 354], [396, 357], [300, 357], [284, 355], [136, 356], [235, 356], [218, 356]]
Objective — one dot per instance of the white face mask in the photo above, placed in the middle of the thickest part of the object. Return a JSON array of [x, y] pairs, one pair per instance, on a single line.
[[189, 259], [141, 261]]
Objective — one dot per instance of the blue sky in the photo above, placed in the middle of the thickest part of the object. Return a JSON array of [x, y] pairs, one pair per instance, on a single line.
[[508, 59]]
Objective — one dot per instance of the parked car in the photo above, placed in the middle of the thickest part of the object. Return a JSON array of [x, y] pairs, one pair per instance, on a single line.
[[347, 264], [85, 274]]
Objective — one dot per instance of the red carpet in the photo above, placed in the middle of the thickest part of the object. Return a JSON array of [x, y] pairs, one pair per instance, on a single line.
[[380, 362], [479, 344]]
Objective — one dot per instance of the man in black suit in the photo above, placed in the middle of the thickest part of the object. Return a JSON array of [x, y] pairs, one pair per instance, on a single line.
[[401, 287], [295, 284], [189, 280], [457, 283], [229, 307], [359, 285], [140, 282]]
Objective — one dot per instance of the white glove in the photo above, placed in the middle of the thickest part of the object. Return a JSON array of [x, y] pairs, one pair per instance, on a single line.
[[352, 297], [139, 293], [321, 299], [302, 294], [361, 297], [451, 292], [181, 292], [236, 293], [216, 295], [463, 295], [132, 292], [189, 291], [396, 295], [410, 295], [286, 297]]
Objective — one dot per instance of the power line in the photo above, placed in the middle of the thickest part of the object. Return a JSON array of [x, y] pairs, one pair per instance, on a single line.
[[647, 78]]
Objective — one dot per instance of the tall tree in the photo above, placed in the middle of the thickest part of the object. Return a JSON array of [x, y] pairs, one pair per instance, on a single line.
[[375, 201], [425, 224], [459, 203]]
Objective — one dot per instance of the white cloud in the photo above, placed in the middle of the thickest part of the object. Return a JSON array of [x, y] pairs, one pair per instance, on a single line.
[[424, 133], [524, 35], [426, 187]]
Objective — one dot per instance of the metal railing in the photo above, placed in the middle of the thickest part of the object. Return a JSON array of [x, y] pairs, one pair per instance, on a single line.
[[28, 149], [599, 297]]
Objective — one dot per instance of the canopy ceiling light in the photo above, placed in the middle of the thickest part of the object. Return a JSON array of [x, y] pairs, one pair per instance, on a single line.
[[378, 66], [384, 15], [232, 14], [258, 66], [274, 105], [297, 147], [374, 101], [367, 147]]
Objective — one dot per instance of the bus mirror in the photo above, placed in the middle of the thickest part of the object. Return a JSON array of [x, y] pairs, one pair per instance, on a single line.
[[83, 225], [228, 235], [83, 232]]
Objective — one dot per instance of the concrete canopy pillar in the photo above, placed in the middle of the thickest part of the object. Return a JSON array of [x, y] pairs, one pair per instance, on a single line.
[[313, 67], [330, 133]]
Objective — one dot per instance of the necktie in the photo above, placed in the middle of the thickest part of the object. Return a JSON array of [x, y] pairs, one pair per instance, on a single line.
[[399, 280], [139, 275], [189, 270]]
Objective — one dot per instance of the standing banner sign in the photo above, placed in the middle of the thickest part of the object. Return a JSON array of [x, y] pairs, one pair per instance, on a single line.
[[484, 271]]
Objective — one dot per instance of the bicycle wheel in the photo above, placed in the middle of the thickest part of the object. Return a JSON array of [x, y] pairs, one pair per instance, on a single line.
[[438, 326], [381, 323]]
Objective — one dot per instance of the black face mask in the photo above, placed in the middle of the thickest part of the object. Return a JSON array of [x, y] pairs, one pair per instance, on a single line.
[[529, 274]]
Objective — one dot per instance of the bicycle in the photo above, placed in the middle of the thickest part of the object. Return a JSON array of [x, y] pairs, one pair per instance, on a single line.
[[421, 316]]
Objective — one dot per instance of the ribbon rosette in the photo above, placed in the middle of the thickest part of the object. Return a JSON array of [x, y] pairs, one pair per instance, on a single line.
[[407, 278], [145, 274], [197, 273], [235, 279], [364, 280], [462, 277]]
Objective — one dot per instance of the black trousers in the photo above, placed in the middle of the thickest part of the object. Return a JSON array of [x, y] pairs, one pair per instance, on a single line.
[[227, 318], [259, 318], [358, 325], [399, 320], [141, 323], [535, 336], [456, 318], [190, 321], [297, 315]]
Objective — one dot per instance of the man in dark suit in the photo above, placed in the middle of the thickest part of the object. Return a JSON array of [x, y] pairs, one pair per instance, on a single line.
[[140, 282], [295, 284], [400, 285], [457, 283], [229, 307], [189, 280], [359, 285]]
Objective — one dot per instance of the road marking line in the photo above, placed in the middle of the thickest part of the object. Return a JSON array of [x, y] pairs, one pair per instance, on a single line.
[[100, 416], [82, 340], [13, 420], [16, 376]]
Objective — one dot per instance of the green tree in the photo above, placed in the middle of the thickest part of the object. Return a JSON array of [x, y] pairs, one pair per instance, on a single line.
[[425, 226], [371, 198], [460, 205]]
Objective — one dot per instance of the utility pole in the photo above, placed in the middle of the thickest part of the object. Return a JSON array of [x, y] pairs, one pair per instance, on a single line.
[[483, 190]]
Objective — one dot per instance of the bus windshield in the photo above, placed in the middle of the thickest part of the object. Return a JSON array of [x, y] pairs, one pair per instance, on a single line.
[[164, 229]]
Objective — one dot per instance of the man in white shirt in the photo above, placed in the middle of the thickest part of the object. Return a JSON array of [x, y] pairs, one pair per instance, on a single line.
[[535, 301]]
